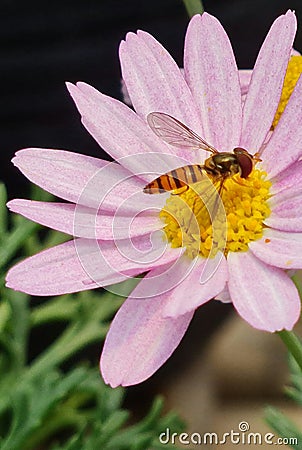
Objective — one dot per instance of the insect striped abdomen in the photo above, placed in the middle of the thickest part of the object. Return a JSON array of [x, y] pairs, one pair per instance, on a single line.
[[176, 179]]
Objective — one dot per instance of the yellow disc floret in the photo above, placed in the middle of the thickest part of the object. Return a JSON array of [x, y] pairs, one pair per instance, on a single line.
[[294, 70], [205, 221]]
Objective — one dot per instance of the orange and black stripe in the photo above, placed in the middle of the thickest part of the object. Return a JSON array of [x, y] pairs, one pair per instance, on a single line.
[[176, 179]]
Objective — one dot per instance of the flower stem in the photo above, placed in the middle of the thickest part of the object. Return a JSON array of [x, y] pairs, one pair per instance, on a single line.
[[293, 345], [3, 212], [193, 7]]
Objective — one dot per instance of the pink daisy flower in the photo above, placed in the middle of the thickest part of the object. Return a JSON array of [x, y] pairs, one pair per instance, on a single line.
[[122, 232]]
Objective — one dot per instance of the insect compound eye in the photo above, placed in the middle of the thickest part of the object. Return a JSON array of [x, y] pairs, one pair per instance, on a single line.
[[241, 151], [245, 162]]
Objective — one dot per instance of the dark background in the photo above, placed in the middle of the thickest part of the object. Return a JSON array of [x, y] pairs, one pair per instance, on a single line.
[[43, 44]]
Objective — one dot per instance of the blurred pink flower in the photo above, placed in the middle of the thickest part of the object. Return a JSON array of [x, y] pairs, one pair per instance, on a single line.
[[207, 98]]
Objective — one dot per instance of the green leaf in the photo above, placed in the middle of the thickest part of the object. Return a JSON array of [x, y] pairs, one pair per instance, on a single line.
[[33, 401], [284, 427], [15, 239], [295, 391]]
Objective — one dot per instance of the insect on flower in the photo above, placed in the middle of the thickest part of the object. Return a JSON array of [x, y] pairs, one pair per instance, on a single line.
[[249, 249], [219, 166]]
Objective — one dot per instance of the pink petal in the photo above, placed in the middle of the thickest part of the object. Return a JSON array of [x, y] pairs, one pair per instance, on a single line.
[[263, 295], [140, 339], [224, 295], [295, 52], [280, 249], [55, 271], [266, 83], [212, 75], [85, 180], [245, 79], [87, 264], [122, 133], [203, 282], [285, 145], [286, 207], [290, 177], [72, 171], [153, 80], [81, 221]]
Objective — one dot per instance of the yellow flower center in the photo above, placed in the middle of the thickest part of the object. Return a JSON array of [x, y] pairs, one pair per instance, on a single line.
[[204, 221], [294, 70]]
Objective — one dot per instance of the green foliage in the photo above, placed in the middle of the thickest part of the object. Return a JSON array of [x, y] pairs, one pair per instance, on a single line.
[[108, 435], [42, 405], [285, 428], [278, 421], [295, 390]]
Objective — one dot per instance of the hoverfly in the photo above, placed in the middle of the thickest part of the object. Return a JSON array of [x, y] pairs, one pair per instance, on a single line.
[[219, 166]]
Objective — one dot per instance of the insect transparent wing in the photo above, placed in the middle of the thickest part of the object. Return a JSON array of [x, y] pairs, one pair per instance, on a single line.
[[209, 192], [176, 133]]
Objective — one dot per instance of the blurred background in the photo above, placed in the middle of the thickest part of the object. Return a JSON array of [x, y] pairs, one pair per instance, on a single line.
[[44, 44]]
